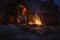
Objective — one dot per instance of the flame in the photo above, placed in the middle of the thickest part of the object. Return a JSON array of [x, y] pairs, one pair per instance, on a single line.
[[36, 20]]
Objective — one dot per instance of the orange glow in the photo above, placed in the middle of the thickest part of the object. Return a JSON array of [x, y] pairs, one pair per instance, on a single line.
[[30, 23], [23, 13], [24, 9], [18, 19], [36, 20]]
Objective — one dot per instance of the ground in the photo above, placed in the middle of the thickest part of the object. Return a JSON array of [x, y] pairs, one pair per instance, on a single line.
[[13, 32]]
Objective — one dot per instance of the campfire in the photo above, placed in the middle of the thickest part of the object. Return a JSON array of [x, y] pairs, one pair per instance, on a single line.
[[36, 20]]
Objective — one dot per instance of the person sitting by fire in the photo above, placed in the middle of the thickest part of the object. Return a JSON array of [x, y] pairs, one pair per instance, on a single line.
[[21, 14]]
